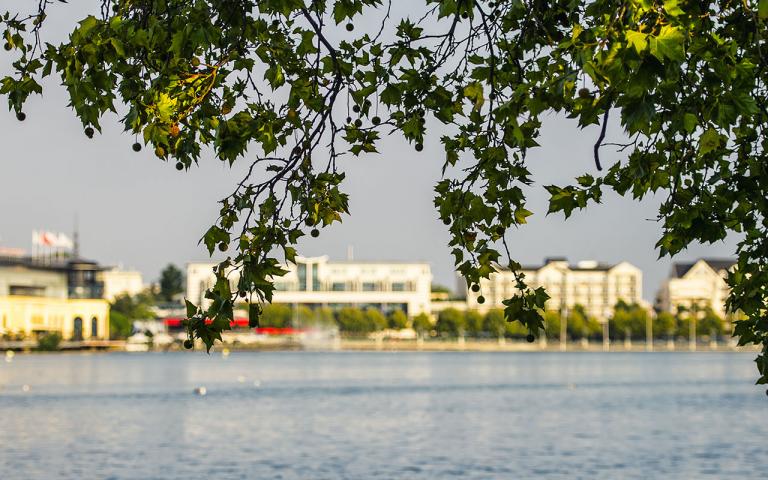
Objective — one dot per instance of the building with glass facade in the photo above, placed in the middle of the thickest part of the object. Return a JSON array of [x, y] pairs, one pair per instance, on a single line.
[[317, 282]]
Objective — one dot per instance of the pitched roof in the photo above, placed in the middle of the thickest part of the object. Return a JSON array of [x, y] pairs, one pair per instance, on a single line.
[[679, 269]]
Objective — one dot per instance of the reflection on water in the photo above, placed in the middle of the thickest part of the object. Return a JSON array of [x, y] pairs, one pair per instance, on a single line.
[[382, 415]]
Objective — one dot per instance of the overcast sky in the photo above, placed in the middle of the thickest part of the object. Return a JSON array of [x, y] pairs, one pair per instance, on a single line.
[[138, 211]]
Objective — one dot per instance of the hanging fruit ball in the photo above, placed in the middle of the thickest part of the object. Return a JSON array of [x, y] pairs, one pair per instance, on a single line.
[[21, 116], [419, 147], [376, 120], [223, 246], [315, 233], [481, 299], [89, 132], [350, 27], [530, 338], [179, 166], [136, 147], [475, 288], [188, 344]]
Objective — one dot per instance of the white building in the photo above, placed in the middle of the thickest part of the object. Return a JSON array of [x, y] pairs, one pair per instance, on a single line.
[[316, 282], [698, 284], [121, 282], [594, 286]]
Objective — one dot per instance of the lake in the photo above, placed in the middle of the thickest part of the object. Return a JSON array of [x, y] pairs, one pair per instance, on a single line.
[[344, 415]]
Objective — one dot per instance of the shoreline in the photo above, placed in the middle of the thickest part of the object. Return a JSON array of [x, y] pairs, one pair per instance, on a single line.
[[373, 345]]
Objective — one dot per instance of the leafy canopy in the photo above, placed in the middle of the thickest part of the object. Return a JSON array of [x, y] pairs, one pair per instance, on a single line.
[[290, 86]]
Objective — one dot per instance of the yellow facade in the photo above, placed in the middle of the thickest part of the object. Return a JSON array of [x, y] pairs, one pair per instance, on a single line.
[[74, 319]]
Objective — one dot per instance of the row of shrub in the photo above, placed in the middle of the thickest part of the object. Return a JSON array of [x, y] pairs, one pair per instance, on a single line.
[[350, 320], [628, 321]]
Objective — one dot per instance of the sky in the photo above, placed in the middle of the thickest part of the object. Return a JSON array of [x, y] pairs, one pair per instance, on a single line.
[[136, 211]]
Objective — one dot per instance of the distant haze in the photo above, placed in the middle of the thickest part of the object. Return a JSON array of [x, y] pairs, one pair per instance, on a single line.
[[138, 211]]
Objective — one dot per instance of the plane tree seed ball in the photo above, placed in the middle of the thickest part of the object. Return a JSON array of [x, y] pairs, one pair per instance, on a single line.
[[188, 344], [475, 288], [530, 338], [136, 147], [179, 166], [89, 132], [376, 120], [315, 232], [481, 299], [419, 147], [21, 116], [223, 246], [350, 27]]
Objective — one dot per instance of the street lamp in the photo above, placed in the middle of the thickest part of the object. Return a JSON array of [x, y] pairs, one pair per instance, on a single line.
[[606, 330]]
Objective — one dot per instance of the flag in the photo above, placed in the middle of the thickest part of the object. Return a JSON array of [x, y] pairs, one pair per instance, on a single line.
[[50, 239]]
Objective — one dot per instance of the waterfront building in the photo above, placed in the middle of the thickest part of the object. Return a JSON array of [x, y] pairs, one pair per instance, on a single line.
[[696, 285], [121, 282], [595, 286], [317, 282], [44, 295]]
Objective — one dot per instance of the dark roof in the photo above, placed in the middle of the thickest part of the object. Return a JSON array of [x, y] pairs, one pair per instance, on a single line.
[[679, 269], [602, 267], [54, 264]]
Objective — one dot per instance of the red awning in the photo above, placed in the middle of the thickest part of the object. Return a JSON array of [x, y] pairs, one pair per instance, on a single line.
[[240, 322]]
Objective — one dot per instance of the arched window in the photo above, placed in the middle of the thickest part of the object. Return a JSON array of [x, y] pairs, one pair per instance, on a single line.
[[94, 327], [77, 329]]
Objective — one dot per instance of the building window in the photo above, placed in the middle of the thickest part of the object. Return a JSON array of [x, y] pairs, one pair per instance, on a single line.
[[94, 327], [399, 287], [369, 287], [302, 272], [26, 291], [339, 286], [315, 279]]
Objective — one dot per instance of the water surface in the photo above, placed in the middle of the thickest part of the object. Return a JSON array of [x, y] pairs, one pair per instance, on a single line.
[[300, 415]]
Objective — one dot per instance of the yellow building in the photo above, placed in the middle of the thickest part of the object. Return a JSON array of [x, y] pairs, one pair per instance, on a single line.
[[41, 296]]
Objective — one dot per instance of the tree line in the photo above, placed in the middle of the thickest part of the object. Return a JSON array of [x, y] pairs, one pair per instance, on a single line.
[[628, 321]]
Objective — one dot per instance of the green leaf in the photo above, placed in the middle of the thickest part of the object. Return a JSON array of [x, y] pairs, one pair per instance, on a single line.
[[709, 141], [762, 9], [254, 312], [191, 308], [689, 122], [672, 8], [669, 44], [638, 40], [474, 92]]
